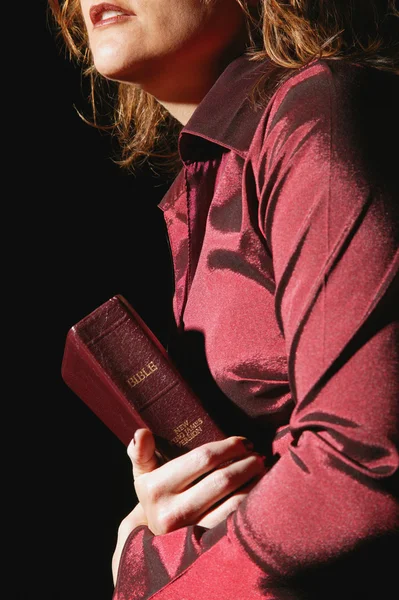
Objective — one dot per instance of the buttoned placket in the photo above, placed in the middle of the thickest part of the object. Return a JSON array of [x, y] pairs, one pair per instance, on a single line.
[[189, 244], [173, 204], [184, 198]]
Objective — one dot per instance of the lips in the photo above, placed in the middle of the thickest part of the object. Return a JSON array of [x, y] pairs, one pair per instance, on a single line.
[[101, 14]]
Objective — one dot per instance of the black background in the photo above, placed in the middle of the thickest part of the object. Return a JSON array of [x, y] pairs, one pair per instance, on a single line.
[[82, 230], [76, 230]]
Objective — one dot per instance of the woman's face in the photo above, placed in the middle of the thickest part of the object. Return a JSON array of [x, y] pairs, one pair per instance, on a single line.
[[163, 42]]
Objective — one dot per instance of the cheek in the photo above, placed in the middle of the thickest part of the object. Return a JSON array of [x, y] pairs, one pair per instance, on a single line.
[[198, 25], [84, 8], [176, 23]]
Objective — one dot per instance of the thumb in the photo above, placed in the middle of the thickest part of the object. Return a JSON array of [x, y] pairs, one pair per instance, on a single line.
[[141, 452]]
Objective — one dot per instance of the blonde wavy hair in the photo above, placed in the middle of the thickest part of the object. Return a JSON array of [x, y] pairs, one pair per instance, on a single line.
[[289, 33]]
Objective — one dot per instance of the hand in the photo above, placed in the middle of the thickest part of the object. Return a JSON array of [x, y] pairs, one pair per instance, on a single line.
[[200, 487]]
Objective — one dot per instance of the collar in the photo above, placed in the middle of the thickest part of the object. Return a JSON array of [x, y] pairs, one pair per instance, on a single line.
[[225, 116], [224, 120]]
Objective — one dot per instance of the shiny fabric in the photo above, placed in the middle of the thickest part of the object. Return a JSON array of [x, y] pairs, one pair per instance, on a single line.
[[283, 225]]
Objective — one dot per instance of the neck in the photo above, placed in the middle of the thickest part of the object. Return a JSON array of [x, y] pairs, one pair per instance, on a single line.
[[180, 91], [180, 111]]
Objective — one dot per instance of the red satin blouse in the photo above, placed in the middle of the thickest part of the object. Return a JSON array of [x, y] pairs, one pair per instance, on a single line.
[[283, 226]]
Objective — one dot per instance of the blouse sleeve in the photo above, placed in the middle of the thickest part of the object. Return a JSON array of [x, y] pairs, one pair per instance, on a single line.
[[323, 522]]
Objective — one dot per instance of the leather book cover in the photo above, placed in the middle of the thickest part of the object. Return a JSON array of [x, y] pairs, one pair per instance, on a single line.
[[116, 365]]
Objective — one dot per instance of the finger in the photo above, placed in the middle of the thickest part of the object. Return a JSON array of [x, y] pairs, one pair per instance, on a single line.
[[218, 514], [218, 485], [142, 453], [179, 473], [223, 508]]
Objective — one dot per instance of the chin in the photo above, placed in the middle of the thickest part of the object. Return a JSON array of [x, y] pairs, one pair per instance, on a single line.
[[118, 70], [112, 72], [109, 59]]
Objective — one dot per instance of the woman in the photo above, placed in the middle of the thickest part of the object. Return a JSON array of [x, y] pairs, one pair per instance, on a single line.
[[283, 225]]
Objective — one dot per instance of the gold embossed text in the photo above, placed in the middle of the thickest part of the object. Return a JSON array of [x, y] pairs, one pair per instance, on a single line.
[[142, 374]]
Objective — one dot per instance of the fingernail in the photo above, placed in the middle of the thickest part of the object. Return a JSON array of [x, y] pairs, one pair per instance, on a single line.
[[262, 459], [130, 446], [248, 444]]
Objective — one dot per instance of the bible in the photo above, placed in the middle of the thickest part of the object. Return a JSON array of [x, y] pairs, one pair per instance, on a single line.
[[118, 367]]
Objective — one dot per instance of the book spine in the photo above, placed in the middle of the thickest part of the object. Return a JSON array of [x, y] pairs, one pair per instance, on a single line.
[[85, 377], [117, 366]]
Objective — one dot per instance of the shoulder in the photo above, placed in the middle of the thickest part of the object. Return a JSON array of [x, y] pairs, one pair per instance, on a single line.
[[344, 107], [341, 81]]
